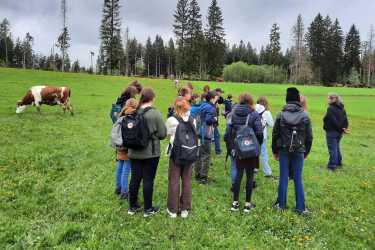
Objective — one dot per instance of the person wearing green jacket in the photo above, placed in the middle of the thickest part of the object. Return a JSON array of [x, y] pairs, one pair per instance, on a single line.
[[145, 161]]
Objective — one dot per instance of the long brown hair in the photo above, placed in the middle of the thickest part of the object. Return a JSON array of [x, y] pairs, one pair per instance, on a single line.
[[246, 98], [264, 102], [147, 95], [181, 106], [303, 100], [137, 85]]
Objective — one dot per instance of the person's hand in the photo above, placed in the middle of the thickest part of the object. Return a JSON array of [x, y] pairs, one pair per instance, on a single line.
[[276, 157], [305, 156], [346, 130]]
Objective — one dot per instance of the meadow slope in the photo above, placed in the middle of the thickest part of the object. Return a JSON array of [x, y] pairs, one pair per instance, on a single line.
[[57, 177]]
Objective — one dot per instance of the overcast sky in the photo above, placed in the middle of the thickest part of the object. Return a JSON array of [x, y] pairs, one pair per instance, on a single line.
[[249, 20]]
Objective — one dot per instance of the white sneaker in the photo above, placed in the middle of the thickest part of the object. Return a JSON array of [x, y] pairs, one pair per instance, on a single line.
[[184, 214], [172, 215]]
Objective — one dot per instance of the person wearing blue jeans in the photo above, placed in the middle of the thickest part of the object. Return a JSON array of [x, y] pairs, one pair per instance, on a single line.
[[122, 177], [335, 124], [296, 160], [291, 143], [217, 140], [264, 155], [333, 143]]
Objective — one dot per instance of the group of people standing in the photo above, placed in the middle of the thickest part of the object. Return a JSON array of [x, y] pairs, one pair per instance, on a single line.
[[192, 126]]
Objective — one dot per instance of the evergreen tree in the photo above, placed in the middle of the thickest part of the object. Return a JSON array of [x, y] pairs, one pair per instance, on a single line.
[[275, 48], [4, 39], [18, 54], [27, 51], [332, 70], [132, 51], [316, 39], [75, 67], [171, 54], [215, 41], [63, 44], [148, 57], [160, 56], [110, 31], [251, 55], [194, 39], [180, 26], [352, 51]]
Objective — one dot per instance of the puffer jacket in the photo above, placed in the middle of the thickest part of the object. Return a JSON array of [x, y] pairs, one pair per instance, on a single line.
[[335, 118], [238, 118], [292, 115]]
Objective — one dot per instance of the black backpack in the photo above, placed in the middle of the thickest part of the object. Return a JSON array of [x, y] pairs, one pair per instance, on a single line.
[[135, 132], [292, 135], [246, 144], [185, 145]]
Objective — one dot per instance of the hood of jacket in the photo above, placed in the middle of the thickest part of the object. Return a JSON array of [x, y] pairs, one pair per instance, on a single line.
[[293, 113]]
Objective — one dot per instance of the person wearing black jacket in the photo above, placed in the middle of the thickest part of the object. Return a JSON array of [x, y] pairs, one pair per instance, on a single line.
[[291, 144], [242, 113], [335, 124]]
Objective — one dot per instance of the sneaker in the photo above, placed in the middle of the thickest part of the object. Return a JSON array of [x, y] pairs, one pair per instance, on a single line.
[[124, 196], [134, 210], [248, 207], [203, 180], [305, 212], [235, 206], [118, 191], [184, 214], [277, 207], [151, 211], [171, 215]]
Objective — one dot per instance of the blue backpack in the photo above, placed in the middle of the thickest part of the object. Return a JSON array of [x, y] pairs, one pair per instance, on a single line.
[[246, 144]]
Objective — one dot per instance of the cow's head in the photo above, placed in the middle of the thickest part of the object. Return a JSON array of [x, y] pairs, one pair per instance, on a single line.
[[20, 107]]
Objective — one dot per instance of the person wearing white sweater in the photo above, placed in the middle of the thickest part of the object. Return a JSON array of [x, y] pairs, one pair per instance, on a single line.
[[178, 201], [262, 108]]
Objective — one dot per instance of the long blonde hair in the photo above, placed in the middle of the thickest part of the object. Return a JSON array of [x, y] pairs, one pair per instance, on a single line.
[[130, 107]]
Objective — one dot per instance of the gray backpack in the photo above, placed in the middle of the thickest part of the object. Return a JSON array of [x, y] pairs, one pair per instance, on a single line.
[[116, 134]]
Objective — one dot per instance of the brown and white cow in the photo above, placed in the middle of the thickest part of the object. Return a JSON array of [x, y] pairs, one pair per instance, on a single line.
[[38, 95]]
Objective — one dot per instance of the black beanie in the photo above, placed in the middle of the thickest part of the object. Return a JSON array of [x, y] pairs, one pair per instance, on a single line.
[[292, 95]]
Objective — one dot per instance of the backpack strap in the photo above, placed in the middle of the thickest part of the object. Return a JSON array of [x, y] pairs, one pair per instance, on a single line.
[[247, 120]]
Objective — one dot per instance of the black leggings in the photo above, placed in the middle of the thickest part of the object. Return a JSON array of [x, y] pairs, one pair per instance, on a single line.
[[142, 170], [249, 182]]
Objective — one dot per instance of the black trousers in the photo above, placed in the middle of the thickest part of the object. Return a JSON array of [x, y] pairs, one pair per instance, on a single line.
[[247, 166], [142, 170]]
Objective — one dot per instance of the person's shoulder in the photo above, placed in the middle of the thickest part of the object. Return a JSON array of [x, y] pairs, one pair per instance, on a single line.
[[172, 120]]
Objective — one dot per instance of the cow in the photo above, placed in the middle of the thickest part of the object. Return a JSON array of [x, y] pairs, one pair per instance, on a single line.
[[38, 95]]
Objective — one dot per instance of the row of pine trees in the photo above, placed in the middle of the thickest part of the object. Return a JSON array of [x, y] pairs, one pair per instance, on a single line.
[[320, 53]]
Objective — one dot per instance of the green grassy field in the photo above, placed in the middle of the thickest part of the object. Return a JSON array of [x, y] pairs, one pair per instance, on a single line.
[[57, 178]]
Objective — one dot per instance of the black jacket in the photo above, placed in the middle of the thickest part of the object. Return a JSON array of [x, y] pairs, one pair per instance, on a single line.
[[335, 118], [292, 116]]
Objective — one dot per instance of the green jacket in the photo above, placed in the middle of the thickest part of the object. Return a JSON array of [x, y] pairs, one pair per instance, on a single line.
[[158, 131]]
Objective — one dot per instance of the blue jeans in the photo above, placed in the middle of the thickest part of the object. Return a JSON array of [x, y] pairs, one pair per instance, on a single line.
[[333, 143], [233, 170], [122, 175], [217, 140], [266, 166], [296, 160]]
